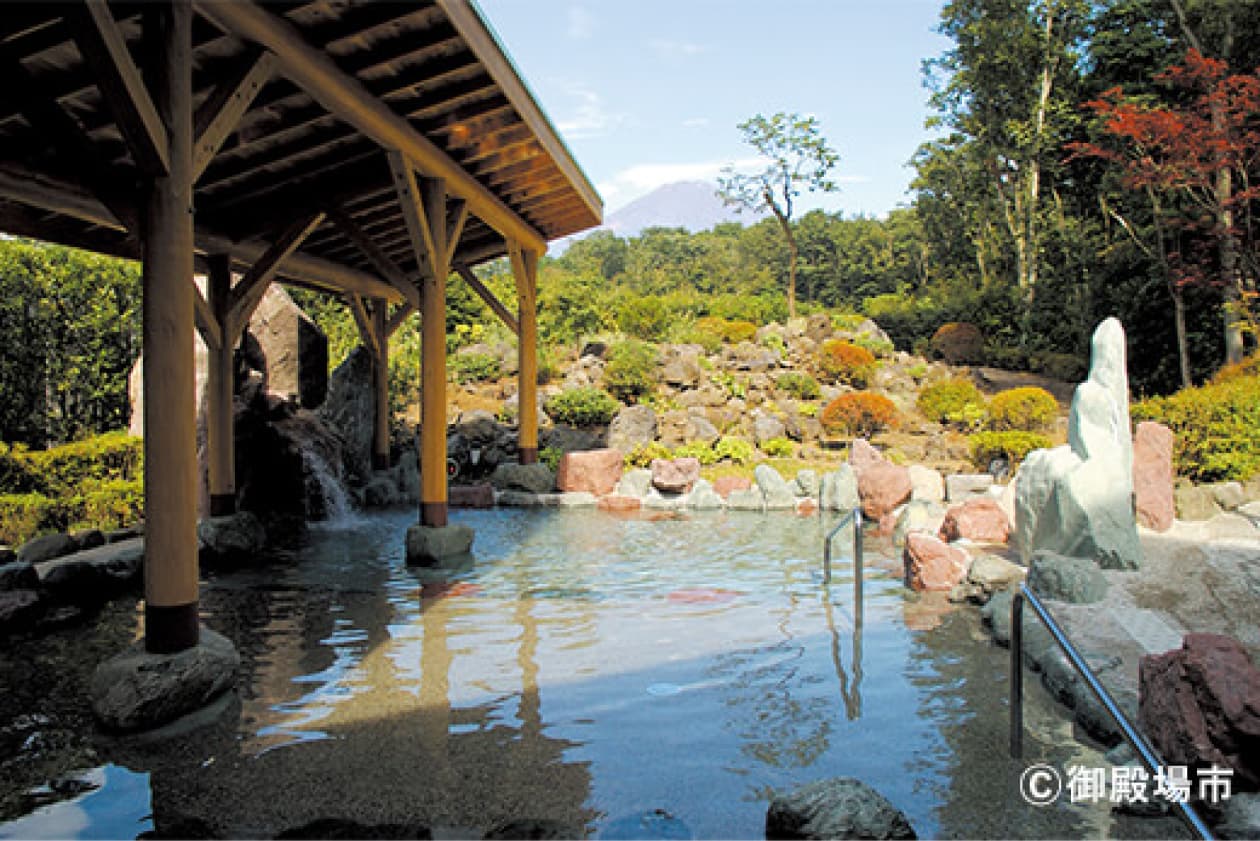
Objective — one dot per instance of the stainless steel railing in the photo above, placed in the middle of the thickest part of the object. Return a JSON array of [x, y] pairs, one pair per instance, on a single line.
[[854, 517], [1131, 734]]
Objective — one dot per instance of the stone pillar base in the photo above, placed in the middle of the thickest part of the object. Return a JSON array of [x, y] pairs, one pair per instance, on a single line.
[[431, 545], [137, 690]]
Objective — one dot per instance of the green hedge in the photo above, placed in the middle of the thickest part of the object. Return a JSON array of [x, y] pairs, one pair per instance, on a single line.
[[1217, 428]]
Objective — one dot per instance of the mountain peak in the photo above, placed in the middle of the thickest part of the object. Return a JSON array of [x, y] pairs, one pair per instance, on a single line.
[[693, 205]]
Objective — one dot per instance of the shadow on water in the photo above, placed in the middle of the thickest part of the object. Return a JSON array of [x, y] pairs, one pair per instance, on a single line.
[[584, 675]]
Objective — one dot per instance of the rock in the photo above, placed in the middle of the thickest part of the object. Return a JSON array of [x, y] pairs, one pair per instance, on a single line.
[[818, 327], [961, 486], [675, 475], [840, 807], [774, 488], [862, 455], [18, 575], [594, 471], [232, 539], [882, 487], [1076, 580], [746, 500], [575, 499], [806, 507], [431, 545], [932, 564], [681, 370], [380, 492], [917, 515], [46, 548], [805, 483], [704, 498], [989, 574], [766, 427], [1228, 495], [88, 538], [7, 554], [1200, 705], [927, 484], [294, 349], [672, 427], [633, 427], [1195, 503], [618, 502], [635, 482], [839, 490], [1039, 646], [350, 410], [1239, 817], [94, 575], [137, 690], [340, 828], [979, 519], [1077, 500], [723, 485], [700, 429], [531, 478], [471, 496], [19, 610], [1153, 475]]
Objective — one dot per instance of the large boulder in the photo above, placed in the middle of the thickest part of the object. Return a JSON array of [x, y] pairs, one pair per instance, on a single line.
[[841, 807], [724, 485], [594, 471], [987, 575], [681, 368], [774, 488], [1076, 580], [766, 427], [882, 487], [1200, 706], [633, 427], [46, 548], [350, 410], [233, 539], [979, 519], [293, 348], [929, 485], [18, 575], [531, 478], [917, 515], [932, 564], [839, 490], [1153, 475], [1076, 500]]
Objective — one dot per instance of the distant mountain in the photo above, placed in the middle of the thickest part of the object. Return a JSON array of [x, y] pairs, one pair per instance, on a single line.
[[693, 205]]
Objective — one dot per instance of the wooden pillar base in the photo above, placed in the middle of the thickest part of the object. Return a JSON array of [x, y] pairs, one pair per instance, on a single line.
[[380, 461], [168, 629], [221, 505], [527, 455], [433, 513]]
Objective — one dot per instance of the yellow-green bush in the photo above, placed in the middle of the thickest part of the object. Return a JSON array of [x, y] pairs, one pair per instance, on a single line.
[[22, 516], [1217, 428], [644, 455], [1013, 444], [106, 505], [859, 413], [1028, 408], [731, 331], [698, 450], [955, 401], [475, 367], [798, 384], [586, 406], [114, 455], [778, 448], [845, 362], [630, 371], [735, 450]]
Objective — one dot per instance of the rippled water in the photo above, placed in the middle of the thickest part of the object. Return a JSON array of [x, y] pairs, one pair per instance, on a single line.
[[597, 674]]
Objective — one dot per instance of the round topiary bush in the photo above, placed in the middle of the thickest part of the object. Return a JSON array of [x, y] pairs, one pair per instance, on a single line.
[[958, 343], [1013, 445], [859, 413], [845, 362], [1028, 408], [954, 401], [588, 406]]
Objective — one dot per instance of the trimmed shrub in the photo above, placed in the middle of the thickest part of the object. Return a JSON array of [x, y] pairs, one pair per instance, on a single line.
[[1028, 408], [692, 335], [588, 406], [106, 505], [798, 384], [644, 455], [22, 516], [845, 362], [698, 450], [958, 343], [955, 401], [730, 331], [1014, 445], [630, 371], [778, 448], [774, 342], [735, 450], [1217, 428], [60, 470], [859, 413], [740, 331], [475, 367], [15, 471], [1249, 367]]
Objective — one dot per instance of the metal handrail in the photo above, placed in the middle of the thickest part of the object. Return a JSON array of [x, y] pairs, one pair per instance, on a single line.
[[856, 516], [1131, 734]]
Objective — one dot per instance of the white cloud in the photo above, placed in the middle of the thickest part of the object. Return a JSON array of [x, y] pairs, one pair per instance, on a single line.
[[581, 23], [586, 115], [676, 49]]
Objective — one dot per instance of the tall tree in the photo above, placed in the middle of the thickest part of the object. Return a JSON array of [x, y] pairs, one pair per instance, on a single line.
[[797, 158]]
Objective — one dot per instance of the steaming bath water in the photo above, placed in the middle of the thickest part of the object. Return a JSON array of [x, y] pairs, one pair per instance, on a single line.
[[584, 674]]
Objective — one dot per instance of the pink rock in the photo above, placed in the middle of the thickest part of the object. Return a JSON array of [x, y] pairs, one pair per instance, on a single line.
[[979, 518], [863, 455], [470, 496], [806, 507], [1200, 704], [675, 475], [1153, 475], [882, 487], [593, 471], [932, 564], [725, 484], [617, 502]]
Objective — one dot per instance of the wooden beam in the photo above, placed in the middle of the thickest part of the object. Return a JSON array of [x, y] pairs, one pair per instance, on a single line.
[[315, 72], [249, 291], [397, 318], [389, 270], [489, 297], [222, 111], [415, 212], [207, 324], [220, 382], [457, 217], [122, 87], [366, 334], [525, 270]]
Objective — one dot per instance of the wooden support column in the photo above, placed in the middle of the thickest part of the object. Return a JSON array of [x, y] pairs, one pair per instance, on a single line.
[[170, 441], [380, 437], [525, 269], [219, 433]]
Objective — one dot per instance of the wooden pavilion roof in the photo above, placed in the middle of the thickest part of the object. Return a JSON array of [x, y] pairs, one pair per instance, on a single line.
[[296, 105]]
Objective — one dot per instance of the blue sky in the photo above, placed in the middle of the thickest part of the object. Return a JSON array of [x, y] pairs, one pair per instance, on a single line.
[[647, 92]]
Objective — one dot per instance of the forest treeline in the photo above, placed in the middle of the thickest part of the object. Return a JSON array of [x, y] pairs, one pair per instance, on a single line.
[[1090, 158]]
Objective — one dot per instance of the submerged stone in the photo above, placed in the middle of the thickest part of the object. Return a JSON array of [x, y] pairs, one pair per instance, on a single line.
[[840, 807], [430, 545]]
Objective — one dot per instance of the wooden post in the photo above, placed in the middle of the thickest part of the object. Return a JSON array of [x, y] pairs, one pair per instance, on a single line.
[[525, 269], [170, 454], [219, 433], [433, 497], [380, 437]]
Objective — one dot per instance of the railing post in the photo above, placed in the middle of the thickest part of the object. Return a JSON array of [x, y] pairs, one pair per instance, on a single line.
[[858, 573], [1017, 674]]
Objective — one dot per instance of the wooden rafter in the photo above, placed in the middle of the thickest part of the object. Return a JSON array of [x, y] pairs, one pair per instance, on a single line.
[[397, 317], [361, 320], [388, 269], [227, 103], [249, 291]]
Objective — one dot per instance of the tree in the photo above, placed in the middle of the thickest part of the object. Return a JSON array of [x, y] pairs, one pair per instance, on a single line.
[[798, 157]]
